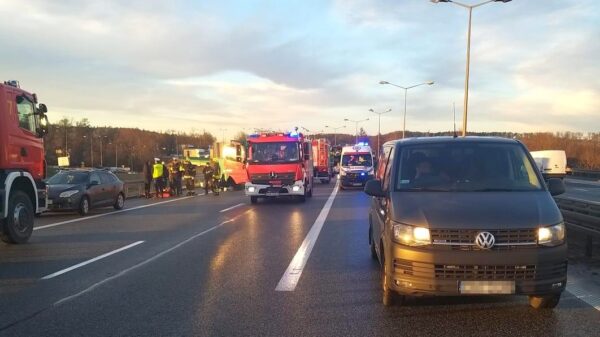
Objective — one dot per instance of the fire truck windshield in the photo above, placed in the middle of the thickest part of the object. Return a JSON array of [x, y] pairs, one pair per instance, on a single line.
[[277, 152]]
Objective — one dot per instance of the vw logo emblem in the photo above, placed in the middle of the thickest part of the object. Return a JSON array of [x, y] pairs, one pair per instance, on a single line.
[[485, 240]]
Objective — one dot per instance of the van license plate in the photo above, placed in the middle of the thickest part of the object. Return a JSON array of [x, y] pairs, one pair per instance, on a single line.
[[356, 184], [487, 287], [272, 194]]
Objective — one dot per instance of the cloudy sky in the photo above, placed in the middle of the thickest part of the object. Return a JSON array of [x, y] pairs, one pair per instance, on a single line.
[[194, 65]]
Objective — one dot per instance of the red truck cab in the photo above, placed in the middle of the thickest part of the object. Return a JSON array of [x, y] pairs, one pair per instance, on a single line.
[[279, 164], [23, 124]]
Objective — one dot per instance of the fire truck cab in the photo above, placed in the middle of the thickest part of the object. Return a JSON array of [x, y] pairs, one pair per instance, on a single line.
[[278, 165], [23, 124]]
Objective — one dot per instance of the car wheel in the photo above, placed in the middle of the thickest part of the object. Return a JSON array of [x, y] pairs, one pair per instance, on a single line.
[[84, 206], [18, 225], [120, 202], [253, 200], [544, 302]]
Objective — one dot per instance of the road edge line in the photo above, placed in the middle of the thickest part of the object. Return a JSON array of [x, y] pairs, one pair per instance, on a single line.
[[291, 276]]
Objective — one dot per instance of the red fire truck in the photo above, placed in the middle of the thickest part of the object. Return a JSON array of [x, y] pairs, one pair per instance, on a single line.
[[321, 160], [279, 164], [23, 124]]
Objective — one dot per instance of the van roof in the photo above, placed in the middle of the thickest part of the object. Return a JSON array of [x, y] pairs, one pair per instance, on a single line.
[[450, 139]]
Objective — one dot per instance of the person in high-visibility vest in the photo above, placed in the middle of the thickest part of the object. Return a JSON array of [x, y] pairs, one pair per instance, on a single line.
[[157, 176]]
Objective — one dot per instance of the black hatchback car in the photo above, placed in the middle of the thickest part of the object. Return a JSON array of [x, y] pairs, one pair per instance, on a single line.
[[81, 190], [466, 216]]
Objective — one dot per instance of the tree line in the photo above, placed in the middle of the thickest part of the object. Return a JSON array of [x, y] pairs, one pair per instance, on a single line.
[[91, 146], [88, 146]]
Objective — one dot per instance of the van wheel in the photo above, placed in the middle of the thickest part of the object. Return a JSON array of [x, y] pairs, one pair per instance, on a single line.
[[253, 200], [544, 302], [120, 202], [309, 193], [372, 244], [84, 206], [18, 225]]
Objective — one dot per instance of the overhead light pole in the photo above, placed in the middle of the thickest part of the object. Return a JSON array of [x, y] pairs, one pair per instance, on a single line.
[[335, 132], [355, 126], [405, 94], [466, 95], [379, 127]]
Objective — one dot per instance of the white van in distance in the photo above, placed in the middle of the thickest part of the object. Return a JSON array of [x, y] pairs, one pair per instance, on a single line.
[[552, 163]]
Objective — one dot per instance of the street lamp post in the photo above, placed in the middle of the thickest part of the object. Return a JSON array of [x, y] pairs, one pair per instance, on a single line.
[[101, 142], [335, 133], [355, 126], [223, 134], [405, 94], [466, 95], [379, 127]]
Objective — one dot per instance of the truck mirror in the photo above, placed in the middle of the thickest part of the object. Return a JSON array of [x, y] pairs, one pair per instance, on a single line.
[[42, 129], [42, 109], [306, 157]]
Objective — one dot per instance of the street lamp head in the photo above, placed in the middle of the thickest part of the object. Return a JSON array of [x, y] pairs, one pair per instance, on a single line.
[[388, 110], [430, 82], [436, 1], [371, 110], [346, 120], [505, 1], [384, 82]]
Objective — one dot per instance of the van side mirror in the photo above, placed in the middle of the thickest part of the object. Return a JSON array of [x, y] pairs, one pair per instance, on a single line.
[[556, 186], [373, 188]]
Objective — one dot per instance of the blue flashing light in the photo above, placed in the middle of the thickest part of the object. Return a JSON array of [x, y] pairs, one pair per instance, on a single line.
[[362, 144], [362, 174], [255, 135], [293, 134]]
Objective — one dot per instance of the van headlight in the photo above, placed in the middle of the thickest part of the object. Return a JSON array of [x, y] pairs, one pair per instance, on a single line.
[[552, 235], [411, 235]]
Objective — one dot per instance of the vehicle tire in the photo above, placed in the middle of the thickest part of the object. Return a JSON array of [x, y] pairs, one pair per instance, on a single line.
[[372, 244], [309, 193], [302, 198], [120, 201], [253, 200], [84, 206], [544, 302], [18, 225]]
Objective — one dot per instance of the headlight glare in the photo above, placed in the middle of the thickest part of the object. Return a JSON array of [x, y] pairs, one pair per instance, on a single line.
[[551, 235], [410, 235], [68, 194]]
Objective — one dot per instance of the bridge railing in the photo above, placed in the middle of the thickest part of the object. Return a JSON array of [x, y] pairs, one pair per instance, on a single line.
[[581, 215]]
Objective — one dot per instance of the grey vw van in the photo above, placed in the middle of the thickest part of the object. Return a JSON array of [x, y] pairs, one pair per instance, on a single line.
[[466, 216]]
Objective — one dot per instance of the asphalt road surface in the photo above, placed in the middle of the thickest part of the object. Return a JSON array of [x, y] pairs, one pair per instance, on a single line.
[[218, 266], [582, 189]]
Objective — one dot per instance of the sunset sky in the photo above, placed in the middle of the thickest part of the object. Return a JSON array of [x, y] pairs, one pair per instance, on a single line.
[[194, 65]]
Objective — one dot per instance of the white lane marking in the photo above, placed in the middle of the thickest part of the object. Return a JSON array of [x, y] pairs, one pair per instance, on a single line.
[[291, 276], [109, 213], [580, 189], [582, 292], [136, 266], [232, 207], [79, 265]]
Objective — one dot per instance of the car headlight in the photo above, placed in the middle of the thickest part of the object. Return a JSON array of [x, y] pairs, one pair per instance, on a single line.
[[251, 189], [411, 235], [552, 235], [68, 194]]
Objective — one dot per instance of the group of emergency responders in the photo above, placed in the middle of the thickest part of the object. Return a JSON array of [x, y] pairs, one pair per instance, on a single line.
[[168, 179]]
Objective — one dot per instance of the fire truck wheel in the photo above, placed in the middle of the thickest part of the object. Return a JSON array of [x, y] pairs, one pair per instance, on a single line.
[[253, 200], [18, 225]]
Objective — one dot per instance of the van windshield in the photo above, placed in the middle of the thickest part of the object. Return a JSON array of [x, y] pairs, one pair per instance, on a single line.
[[357, 159], [466, 167]]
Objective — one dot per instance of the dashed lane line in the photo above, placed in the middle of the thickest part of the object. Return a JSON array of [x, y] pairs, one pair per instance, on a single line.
[[84, 263], [230, 208]]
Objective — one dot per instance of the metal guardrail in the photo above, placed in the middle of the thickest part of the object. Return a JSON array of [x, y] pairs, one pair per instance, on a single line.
[[586, 173], [581, 215]]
